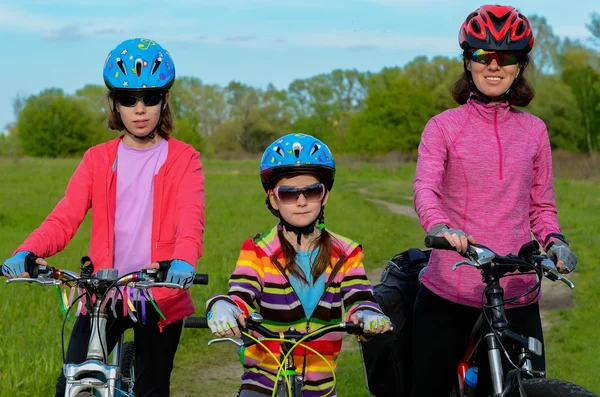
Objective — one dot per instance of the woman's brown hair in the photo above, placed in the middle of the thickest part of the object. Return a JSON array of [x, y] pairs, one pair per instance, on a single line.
[[521, 94], [115, 123]]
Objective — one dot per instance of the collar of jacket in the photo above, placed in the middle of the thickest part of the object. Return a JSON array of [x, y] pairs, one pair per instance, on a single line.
[[488, 111]]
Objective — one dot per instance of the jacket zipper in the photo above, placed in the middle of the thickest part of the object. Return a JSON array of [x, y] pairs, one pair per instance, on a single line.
[[501, 171], [334, 272]]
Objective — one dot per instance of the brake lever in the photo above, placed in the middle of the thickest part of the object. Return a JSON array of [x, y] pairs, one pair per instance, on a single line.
[[146, 285], [551, 272], [40, 281], [466, 263], [237, 342]]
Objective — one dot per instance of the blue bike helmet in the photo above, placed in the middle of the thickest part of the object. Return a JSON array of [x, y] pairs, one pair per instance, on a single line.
[[139, 64], [295, 154]]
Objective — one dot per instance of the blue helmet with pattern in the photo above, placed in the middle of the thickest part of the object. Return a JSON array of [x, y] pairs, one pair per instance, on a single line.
[[139, 64], [295, 154]]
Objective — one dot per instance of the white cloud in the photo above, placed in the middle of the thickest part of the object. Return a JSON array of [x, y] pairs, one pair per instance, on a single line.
[[184, 32], [15, 19]]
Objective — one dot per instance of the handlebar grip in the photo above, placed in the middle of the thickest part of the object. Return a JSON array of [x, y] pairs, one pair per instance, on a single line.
[[195, 322], [438, 243], [201, 279]]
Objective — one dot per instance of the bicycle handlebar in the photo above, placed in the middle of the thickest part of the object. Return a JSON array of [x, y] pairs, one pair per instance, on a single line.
[[144, 279], [482, 258], [254, 323]]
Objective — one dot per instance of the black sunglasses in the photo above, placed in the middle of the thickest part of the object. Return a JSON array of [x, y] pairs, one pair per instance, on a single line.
[[129, 100]]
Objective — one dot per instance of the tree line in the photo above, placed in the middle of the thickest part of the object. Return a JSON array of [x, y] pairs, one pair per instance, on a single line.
[[354, 112]]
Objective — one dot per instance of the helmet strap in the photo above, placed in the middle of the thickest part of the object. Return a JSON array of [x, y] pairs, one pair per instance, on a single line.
[[299, 231]]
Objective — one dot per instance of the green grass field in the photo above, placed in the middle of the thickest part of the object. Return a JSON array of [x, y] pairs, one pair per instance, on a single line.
[[30, 351]]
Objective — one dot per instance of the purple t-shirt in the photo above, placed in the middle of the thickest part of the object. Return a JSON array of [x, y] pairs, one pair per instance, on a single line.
[[133, 214]]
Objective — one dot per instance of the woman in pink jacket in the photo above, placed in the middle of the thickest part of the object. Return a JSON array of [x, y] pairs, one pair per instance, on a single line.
[[484, 174], [146, 193]]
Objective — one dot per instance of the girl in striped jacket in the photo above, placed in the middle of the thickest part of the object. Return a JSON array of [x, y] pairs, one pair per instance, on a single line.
[[298, 274]]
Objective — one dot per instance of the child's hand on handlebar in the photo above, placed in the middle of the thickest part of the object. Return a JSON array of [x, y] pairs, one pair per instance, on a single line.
[[373, 322], [20, 264], [223, 318]]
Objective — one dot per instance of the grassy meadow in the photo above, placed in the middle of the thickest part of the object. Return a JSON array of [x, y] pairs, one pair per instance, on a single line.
[[30, 316]]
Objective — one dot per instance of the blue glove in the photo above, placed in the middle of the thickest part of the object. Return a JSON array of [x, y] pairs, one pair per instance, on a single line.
[[180, 272], [16, 265]]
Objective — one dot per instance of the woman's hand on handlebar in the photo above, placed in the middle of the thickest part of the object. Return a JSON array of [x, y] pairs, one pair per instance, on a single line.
[[373, 322], [456, 237]]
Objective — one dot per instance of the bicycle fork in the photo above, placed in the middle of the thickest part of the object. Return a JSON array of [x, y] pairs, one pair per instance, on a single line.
[[530, 346], [95, 363], [296, 382]]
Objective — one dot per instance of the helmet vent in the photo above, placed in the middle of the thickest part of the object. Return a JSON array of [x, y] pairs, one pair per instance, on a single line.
[[296, 147], [520, 28], [157, 63], [476, 27], [314, 149], [499, 21], [279, 151], [121, 66], [138, 67]]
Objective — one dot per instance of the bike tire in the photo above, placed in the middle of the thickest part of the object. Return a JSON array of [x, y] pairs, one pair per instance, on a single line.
[[545, 387], [127, 365]]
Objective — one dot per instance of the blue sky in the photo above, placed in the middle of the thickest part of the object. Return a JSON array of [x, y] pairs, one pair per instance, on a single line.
[[63, 43]]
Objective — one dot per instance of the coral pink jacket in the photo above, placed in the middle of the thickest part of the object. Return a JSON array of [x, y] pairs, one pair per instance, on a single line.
[[177, 224]]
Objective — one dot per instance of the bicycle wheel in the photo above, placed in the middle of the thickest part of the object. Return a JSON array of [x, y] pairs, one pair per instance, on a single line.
[[544, 387], [127, 365]]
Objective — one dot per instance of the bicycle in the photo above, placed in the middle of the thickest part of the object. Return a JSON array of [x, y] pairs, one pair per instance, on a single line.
[[96, 376], [493, 327], [288, 383]]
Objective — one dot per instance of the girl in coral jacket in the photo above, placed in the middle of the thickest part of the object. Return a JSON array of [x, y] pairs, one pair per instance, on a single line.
[[146, 193], [484, 174], [297, 274]]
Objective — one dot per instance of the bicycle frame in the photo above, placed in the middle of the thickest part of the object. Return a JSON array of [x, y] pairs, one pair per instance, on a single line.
[[289, 339], [493, 267]]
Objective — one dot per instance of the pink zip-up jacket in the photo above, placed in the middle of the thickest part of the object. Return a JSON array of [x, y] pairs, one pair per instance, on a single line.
[[485, 169], [177, 216]]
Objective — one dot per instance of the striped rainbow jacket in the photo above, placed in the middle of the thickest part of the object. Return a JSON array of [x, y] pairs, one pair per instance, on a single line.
[[259, 284]]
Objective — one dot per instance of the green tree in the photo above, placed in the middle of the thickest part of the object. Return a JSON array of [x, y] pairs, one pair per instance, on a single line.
[[392, 120], [594, 28], [53, 124], [436, 76], [545, 52], [581, 72], [556, 105], [94, 97], [257, 118], [323, 105]]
